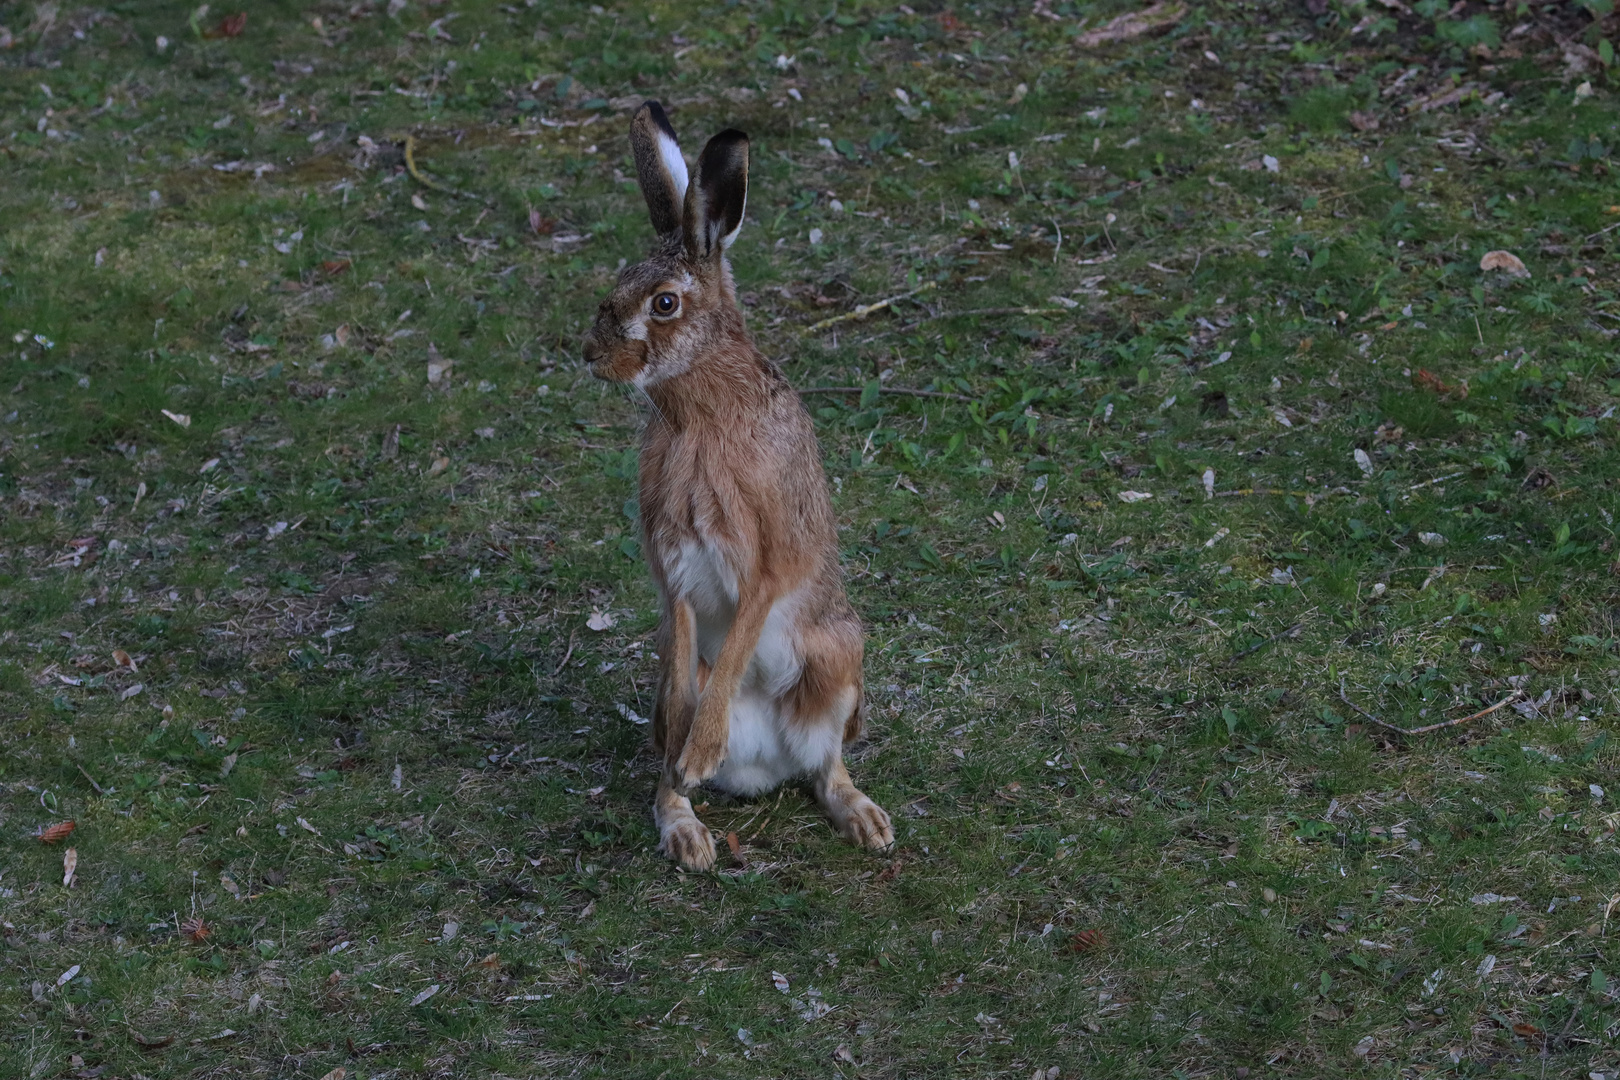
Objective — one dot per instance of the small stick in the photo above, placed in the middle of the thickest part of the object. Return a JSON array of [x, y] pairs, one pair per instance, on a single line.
[[998, 311], [99, 789], [864, 310], [416, 174], [884, 390], [567, 656], [1292, 631], [1428, 727]]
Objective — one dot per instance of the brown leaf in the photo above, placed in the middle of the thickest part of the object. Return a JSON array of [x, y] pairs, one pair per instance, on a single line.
[[1526, 1031], [124, 660], [1087, 941], [1505, 261], [1153, 19], [334, 267], [1538, 478], [890, 872], [439, 465], [230, 26], [195, 929], [735, 845], [1363, 121], [147, 1043], [390, 443], [493, 960], [52, 833], [541, 225], [336, 1074], [1424, 379]]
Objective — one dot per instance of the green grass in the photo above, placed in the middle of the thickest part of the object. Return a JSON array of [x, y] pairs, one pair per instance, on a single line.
[[367, 704]]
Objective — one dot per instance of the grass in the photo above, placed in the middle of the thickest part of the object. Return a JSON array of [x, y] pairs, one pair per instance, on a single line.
[[366, 745]]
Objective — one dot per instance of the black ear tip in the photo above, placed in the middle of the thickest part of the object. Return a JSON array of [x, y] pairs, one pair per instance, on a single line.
[[655, 112], [728, 145]]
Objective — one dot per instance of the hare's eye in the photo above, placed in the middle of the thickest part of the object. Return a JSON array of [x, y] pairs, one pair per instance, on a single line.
[[665, 303]]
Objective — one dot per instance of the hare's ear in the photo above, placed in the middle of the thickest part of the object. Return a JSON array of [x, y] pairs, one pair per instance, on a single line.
[[715, 204], [659, 166]]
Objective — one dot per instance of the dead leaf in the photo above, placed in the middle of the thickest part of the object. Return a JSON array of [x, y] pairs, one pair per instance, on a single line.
[[229, 27], [1087, 941], [1150, 20], [148, 1043], [735, 845], [336, 1074], [334, 267], [600, 620], [438, 368], [493, 960], [540, 225], [180, 418], [890, 872], [1526, 1031], [1505, 261], [307, 827], [390, 444], [1536, 479], [843, 1054], [226, 765], [130, 691], [195, 929], [1363, 121], [1424, 379], [439, 465], [52, 833], [425, 994], [124, 660], [70, 866]]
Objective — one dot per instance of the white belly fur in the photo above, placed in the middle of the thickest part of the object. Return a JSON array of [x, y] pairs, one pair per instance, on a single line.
[[763, 750]]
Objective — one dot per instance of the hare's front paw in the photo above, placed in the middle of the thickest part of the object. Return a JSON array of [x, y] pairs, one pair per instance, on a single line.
[[701, 757], [867, 824], [688, 842]]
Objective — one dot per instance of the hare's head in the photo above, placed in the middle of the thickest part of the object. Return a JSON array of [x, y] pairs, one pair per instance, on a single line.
[[668, 310]]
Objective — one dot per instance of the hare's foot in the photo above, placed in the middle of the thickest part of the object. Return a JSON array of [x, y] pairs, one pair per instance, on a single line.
[[681, 835], [859, 819]]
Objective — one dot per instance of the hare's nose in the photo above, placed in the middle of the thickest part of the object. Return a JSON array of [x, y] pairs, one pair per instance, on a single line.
[[591, 351]]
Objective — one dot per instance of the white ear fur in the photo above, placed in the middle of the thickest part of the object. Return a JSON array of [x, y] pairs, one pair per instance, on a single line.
[[727, 240], [670, 153]]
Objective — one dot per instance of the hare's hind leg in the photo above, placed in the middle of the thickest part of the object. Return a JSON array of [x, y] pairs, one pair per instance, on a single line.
[[827, 708], [680, 834], [859, 819]]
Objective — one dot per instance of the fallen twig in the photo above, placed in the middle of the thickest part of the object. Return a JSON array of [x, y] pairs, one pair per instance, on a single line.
[[567, 656], [99, 789], [1516, 695], [864, 310], [1292, 631], [885, 390], [416, 174]]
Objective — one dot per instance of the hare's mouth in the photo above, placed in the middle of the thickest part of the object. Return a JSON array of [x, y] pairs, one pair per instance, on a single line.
[[618, 364]]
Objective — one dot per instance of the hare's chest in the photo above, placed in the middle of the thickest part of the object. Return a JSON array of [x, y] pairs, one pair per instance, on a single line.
[[699, 572]]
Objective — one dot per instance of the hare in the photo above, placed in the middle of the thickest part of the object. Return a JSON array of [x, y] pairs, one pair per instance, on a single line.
[[759, 650]]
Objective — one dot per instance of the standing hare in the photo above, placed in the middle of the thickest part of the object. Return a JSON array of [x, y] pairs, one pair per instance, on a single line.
[[759, 650]]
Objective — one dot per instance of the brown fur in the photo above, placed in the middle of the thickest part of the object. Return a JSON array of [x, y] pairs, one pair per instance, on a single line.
[[729, 459]]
